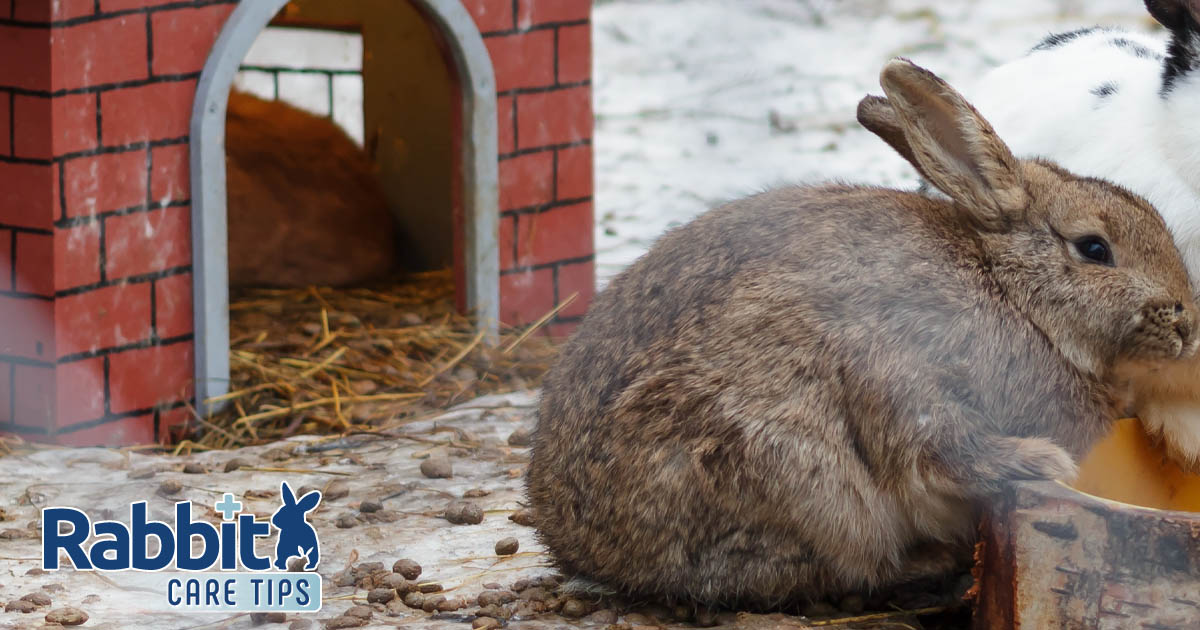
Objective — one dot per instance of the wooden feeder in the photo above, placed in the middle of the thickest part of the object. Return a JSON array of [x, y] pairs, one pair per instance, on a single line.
[[113, 290], [1118, 551]]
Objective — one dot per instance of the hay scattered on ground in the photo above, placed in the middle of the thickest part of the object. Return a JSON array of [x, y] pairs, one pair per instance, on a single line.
[[321, 360]]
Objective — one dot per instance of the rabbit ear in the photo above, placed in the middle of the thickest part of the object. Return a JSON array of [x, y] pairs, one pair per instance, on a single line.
[[1182, 18], [285, 492], [876, 114], [954, 147], [1174, 14], [309, 501]]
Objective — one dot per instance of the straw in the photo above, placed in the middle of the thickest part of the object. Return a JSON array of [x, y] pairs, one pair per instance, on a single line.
[[319, 360]]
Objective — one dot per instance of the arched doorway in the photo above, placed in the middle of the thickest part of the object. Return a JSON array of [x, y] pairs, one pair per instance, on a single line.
[[475, 180]]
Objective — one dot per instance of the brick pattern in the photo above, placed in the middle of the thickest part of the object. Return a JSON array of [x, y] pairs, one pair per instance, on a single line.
[[95, 260], [541, 53]]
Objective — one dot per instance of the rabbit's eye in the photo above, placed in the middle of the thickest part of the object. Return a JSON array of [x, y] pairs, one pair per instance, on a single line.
[[1094, 249]]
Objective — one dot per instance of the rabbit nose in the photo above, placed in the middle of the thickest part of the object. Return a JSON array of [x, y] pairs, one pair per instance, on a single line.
[[1185, 326]]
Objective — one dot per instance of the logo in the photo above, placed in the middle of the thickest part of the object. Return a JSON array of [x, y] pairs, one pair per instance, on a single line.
[[297, 539], [206, 568]]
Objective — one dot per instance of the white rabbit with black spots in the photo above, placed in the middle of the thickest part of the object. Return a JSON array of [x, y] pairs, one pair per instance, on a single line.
[[1124, 106]]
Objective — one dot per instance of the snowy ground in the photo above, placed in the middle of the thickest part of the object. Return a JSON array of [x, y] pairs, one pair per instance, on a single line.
[[461, 558], [686, 92], [406, 522]]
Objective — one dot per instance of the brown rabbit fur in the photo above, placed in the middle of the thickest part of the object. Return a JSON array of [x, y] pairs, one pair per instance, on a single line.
[[811, 390], [304, 206]]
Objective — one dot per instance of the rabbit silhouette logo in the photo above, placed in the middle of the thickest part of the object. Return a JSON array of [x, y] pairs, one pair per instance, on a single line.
[[297, 538], [210, 567]]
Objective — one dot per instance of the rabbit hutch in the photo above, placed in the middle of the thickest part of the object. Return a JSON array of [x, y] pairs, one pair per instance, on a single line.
[[114, 237]]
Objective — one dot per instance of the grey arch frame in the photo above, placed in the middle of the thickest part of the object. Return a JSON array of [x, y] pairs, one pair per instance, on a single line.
[[480, 178]]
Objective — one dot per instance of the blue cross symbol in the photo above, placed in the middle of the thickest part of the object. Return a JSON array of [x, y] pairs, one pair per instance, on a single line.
[[228, 507]]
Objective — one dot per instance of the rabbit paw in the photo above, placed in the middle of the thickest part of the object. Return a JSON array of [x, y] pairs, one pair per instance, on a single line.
[[931, 561], [1175, 427], [1037, 459]]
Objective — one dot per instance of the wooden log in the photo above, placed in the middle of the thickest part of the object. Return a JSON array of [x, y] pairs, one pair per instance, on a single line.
[[1052, 557]]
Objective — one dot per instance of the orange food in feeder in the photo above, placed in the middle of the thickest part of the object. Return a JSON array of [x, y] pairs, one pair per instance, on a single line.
[[1127, 467], [1119, 550]]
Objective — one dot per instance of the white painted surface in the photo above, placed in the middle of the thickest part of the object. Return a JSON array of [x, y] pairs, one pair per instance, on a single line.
[[303, 48]]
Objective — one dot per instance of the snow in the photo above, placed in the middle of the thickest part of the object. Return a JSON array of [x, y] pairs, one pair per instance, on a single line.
[[685, 91]]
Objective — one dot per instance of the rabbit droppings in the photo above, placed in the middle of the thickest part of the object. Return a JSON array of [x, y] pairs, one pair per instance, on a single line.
[[808, 391], [1125, 106]]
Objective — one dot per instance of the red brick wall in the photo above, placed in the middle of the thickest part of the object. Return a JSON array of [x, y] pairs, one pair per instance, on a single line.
[[95, 260], [94, 214], [541, 53]]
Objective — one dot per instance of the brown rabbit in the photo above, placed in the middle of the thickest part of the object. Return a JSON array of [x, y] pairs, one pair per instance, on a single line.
[[304, 205], [809, 391]]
